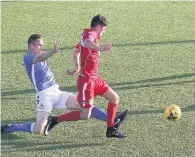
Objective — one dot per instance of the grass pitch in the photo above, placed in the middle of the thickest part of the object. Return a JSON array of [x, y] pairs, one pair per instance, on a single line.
[[151, 66]]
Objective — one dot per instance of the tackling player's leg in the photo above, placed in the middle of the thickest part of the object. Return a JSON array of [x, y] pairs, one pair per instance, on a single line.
[[10, 128], [36, 127], [120, 117], [73, 104]]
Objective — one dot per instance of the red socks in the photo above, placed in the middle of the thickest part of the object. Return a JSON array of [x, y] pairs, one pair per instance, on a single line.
[[75, 115], [111, 113], [71, 116]]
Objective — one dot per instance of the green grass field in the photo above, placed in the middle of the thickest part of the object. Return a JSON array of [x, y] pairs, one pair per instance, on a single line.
[[151, 66]]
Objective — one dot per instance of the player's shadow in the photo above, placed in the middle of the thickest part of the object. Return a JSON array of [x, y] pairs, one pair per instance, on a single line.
[[153, 82], [184, 109], [117, 86], [155, 43], [17, 92], [14, 142], [23, 51], [188, 108], [117, 45], [15, 146], [12, 121], [30, 91], [9, 137]]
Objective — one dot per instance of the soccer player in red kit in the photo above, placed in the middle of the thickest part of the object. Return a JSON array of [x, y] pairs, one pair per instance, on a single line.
[[89, 83]]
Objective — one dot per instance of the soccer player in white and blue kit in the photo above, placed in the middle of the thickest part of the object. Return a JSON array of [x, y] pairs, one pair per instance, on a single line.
[[48, 95]]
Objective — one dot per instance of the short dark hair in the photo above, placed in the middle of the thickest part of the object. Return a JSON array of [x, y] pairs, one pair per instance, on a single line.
[[33, 38], [99, 20]]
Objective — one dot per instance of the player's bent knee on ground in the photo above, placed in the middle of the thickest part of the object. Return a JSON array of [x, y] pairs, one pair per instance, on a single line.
[[85, 113], [41, 121], [39, 128]]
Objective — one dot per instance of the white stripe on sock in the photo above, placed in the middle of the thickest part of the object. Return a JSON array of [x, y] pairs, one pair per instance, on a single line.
[[32, 127]]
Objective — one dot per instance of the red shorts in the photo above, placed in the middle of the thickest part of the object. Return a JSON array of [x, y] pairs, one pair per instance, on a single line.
[[88, 89]]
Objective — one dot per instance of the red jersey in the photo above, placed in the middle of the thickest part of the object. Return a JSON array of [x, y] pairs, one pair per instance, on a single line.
[[89, 58]]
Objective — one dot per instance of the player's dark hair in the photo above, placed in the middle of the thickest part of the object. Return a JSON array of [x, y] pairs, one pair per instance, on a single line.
[[99, 20], [33, 38]]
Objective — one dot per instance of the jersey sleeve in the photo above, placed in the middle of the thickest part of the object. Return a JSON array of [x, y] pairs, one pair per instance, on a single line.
[[77, 46], [28, 58], [89, 36]]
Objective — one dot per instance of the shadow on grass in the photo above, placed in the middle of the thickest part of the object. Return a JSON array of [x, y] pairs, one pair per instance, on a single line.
[[184, 109], [157, 79], [13, 121], [23, 51], [116, 86], [11, 141], [152, 85], [14, 143], [155, 43], [9, 137], [44, 146], [119, 45], [30, 91], [188, 108]]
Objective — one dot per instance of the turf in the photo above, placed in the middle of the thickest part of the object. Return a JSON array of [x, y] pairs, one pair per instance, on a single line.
[[151, 66]]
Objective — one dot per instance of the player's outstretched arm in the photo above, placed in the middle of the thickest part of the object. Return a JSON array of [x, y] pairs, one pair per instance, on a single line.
[[90, 44], [45, 55]]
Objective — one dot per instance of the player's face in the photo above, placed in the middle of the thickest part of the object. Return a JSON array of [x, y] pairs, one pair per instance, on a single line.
[[37, 46], [102, 30]]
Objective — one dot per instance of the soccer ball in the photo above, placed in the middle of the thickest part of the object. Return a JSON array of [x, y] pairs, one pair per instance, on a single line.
[[173, 112]]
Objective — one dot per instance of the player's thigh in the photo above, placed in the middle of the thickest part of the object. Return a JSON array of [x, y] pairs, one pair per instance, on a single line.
[[100, 86], [45, 105], [86, 99], [67, 101], [111, 96], [41, 121], [86, 94], [72, 103]]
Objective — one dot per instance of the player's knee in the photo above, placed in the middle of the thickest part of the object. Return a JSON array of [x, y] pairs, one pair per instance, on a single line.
[[85, 114], [85, 117], [115, 99], [38, 129]]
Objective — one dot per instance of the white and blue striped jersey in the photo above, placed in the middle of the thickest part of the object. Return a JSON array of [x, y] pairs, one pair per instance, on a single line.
[[39, 73]]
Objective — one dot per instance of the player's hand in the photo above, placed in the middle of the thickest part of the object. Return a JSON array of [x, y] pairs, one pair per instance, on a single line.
[[71, 72], [106, 47], [55, 46]]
